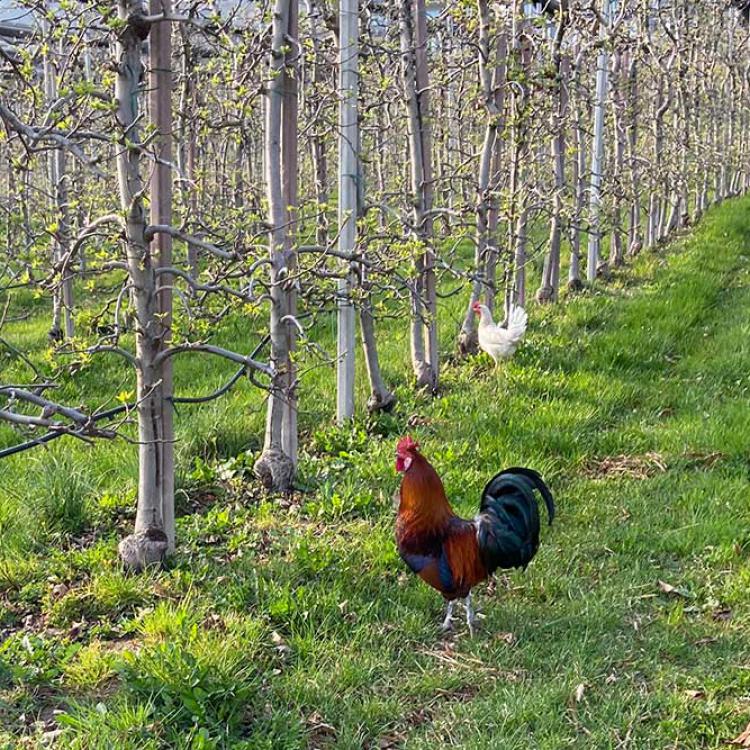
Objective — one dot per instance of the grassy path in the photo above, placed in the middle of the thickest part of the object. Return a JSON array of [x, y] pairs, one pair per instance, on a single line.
[[292, 624]]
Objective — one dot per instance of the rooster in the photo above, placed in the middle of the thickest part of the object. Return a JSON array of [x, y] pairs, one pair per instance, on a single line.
[[498, 342], [452, 554]]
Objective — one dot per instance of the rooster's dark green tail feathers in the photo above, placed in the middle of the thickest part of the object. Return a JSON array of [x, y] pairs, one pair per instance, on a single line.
[[538, 484], [508, 519]]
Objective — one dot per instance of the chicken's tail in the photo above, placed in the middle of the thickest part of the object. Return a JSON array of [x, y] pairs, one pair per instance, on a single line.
[[517, 322], [536, 480], [508, 521]]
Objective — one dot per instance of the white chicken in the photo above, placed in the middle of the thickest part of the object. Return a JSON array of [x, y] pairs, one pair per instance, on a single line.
[[500, 343]]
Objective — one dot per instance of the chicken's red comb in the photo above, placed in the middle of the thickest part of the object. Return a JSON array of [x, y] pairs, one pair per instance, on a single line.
[[407, 444]]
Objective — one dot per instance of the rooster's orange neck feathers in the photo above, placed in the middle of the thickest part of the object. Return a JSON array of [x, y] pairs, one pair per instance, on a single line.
[[423, 500]]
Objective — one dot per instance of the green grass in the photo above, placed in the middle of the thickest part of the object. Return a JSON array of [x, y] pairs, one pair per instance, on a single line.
[[292, 623]]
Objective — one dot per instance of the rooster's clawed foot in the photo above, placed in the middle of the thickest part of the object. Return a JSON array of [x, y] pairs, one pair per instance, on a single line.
[[471, 617], [447, 625]]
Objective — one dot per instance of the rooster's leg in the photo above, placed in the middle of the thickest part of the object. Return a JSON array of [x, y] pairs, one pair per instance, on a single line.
[[448, 617], [470, 616]]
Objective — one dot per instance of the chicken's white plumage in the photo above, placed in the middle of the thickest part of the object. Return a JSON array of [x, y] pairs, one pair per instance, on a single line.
[[501, 343]]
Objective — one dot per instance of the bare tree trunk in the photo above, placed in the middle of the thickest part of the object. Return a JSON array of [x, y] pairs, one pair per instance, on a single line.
[[274, 467], [290, 177], [673, 190], [187, 144], [724, 189], [701, 179], [517, 220], [424, 344], [25, 201], [62, 317], [381, 398], [467, 338], [493, 220], [416, 330], [671, 195], [683, 123], [716, 132], [635, 235], [318, 141], [380, 157], [62, 236], [655, 205], [549, 288], [729, 140], [161, 213], [520, 255], [616, 251], [597, 157], [426, 221], [579, 178], [151, 539], [348, 201], [12, 200], [238, 168]]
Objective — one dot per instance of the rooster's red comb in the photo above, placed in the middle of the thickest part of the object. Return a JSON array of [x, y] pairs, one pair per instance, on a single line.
[[407, 444]]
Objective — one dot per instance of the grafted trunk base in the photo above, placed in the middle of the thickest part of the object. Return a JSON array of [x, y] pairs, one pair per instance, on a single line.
[[275, 470], [603, 271], [545, 295], [575, 285], [143, 549], [635, 248], [381, 402], [425, 381], [468, 343]]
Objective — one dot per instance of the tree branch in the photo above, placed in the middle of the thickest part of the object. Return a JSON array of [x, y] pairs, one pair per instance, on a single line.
[[219, 352], [12, 122], [153, 229]]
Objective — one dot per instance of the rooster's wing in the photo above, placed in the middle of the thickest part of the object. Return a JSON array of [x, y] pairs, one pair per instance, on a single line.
[[452, 565]]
